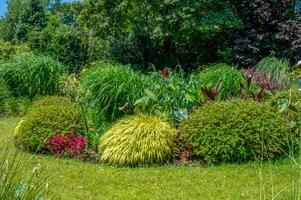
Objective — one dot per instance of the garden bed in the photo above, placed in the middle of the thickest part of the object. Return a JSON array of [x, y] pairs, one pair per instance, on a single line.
[[75, 179]]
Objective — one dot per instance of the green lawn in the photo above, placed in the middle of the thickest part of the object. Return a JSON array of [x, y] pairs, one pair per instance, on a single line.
[[73, 179]]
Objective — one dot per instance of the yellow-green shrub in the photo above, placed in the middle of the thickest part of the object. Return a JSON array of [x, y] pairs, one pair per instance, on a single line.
[[137, 140], [236, 131], [43, 121]]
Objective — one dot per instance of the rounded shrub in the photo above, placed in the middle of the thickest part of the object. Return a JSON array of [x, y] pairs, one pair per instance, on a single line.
[[113, 89], [230, 78], [32, 76], [137, 140], [45, 119], [236, 131]]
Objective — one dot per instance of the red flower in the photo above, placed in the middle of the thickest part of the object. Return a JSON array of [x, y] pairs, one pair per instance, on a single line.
[[164, 73]]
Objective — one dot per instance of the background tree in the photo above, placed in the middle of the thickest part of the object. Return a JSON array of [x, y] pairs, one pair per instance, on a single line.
[[32, 18], [163, 33], [11, 19]]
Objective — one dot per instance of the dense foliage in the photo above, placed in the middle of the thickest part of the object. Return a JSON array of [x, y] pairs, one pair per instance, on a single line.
[[32, 76], [229, 77], [276, 70], [236, 131], [8, 50], [66, 44], [112, 89], [171, 95], [196, 64], [165, 33], [137, 140], [47, 119], [264, 31]]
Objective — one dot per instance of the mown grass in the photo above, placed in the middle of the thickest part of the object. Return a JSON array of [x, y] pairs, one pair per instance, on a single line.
[[74, 179]]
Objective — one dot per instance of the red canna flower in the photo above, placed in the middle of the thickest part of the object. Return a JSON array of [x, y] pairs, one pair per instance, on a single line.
[[164, 73]]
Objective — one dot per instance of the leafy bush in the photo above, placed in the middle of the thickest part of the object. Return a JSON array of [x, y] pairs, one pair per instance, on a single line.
[[113, 89], [32, 76], [72, 144], [171, 96], [230, 79], [17, 106], [63, 43], [137, 140], [43, 121], [235, 131], [8, 51], [276, 69]]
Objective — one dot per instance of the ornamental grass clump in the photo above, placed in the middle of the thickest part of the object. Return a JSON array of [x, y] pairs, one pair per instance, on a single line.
[[229, 77], [32, 76], [45, 119], [112, 89], [137, 140], [236, 131], [276, 69]]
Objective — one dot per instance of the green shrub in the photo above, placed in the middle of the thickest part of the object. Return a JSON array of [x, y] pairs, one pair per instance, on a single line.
[[171, 97], [45, 119], [66, 44], [235, 131], [7, 50], [230, 78], [16, 106], [276, 69], [32, 76], [137, 140], [113, 89]]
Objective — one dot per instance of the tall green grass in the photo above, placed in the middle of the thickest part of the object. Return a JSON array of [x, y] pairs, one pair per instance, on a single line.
[[13, 185], [276, 69], [4, 95], [112, 89], [32, 76], [229, 77]]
